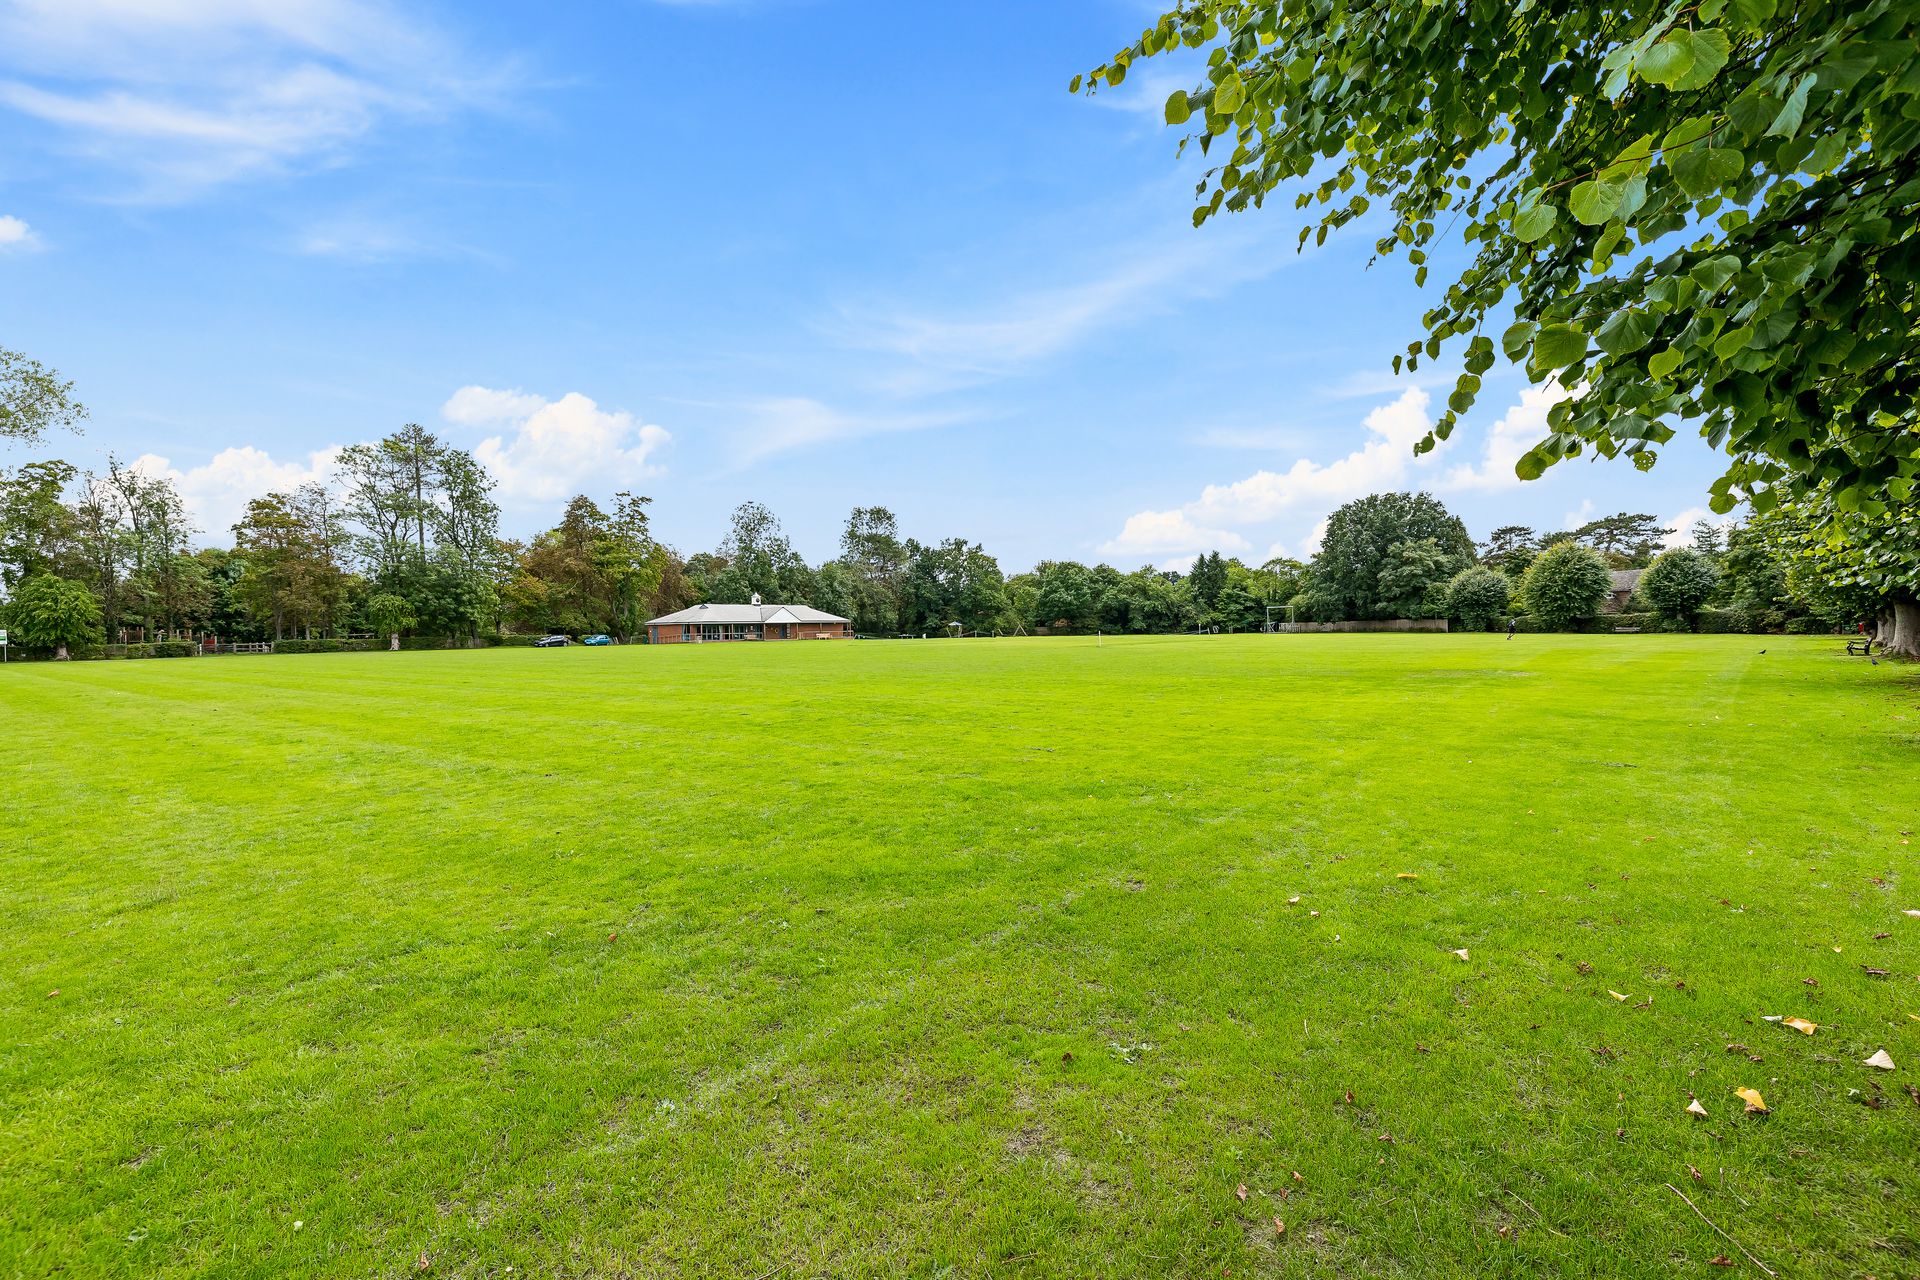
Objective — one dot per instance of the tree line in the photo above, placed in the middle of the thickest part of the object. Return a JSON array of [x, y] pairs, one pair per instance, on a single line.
[[406, 540]]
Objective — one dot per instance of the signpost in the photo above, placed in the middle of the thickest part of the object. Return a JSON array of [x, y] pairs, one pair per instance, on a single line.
[[3, 644]]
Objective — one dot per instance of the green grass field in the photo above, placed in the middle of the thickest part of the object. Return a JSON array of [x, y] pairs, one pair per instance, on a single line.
[[971, 959]]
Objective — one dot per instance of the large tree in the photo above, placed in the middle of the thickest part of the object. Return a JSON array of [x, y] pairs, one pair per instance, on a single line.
[[1363, 570], [1701, 213], [53, 613], [34, 400]]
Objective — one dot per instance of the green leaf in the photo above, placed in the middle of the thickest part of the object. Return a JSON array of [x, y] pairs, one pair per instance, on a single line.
[[1517, 338], [1624, 333], [1715, 272], [1532, 465], [1228, 95], [1710, 49], [1662, 363], [1179, 111], [1594, 202], [1559, 345], [1535, 223], [1787, 123], [1704, 170], [1667, 61]]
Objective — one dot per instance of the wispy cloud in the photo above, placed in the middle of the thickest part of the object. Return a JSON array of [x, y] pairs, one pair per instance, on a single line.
[[182, 95], [763, 428], [943, 344]]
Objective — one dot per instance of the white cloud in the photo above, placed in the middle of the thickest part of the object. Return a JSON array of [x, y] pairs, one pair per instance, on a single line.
[[217, 492], [1680, 527], [16, 234], [1523, 426], [186, 94], [1576, 518], [555, 448], [1152, 533], [1383, 461]]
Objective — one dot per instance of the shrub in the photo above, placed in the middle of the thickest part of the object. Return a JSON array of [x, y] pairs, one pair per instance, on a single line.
[[323, 646], [172, 649], [1808, 627], [1727, 622], [1565, 582], [1477, 596], [1679, 583]]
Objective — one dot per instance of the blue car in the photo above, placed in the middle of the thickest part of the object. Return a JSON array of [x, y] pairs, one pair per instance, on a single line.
[[597, 640]]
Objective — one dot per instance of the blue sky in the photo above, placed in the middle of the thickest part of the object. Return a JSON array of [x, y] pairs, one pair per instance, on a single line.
[[818, 253]]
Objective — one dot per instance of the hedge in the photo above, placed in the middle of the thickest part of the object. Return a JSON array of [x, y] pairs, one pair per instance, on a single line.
[[325, 646]]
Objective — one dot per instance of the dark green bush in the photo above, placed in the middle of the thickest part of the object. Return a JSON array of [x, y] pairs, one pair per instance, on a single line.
[[325, 646], [173, 649], [1808, 627], [1727, 622]]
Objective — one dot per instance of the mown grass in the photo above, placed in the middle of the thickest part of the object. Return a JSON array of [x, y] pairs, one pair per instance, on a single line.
[[968, 959]]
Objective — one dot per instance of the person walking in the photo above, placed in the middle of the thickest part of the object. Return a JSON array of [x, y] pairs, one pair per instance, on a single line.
[[1509, 628]]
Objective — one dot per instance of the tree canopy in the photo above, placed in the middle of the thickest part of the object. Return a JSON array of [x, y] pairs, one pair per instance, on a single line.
[[34, 399], [1703, 213]]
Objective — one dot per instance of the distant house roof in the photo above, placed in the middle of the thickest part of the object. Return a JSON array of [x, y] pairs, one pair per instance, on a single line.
[[735, 614], [1625, 579]]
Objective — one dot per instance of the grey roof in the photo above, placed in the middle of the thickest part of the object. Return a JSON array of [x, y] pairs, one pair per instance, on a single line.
[[1626, 579], [734, 614]]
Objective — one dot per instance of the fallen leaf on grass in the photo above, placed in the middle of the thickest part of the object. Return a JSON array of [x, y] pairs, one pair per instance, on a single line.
[[1241, 1191], [1872, 972], [1297, 1177], [1408, 875], [1801, 1025], [1696, 1174], [1616, 995], [1756, 1105], [1880, 1060], [1719, 1260], [1462, 953], [1294, 901], [1279, 1227], [1695, 1109], [1504, 1231], [1911, 912], [1736, 1047], [1836, 951], [1582, 968], [51, 994], [1878, 937]]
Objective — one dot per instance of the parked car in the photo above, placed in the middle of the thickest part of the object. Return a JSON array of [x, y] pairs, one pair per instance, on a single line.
[[552, 642], [598, 640]]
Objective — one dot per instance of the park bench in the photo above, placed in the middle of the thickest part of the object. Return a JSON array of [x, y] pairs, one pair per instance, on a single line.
[[1862, 646], [1626, 631]]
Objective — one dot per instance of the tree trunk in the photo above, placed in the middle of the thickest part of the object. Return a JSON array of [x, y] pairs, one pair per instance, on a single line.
[[1903, 641], [60, 653]]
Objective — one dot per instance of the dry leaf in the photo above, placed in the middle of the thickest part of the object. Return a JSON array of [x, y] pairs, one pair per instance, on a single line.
[[1279, 1227], [1296, 1172], [1801, 1025], [1505, 1231], [1880, 1060], [1241, 1191], [1719, 1260], [1462, 953], [1836, 951], [1911, 912], [51, 994], [1582, 967], [1695, 1109], [1872, 972], [1408, 875], [1616, 995], [1315, 915], [1756, 1105], [1294, 901], [1696, 1174]]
